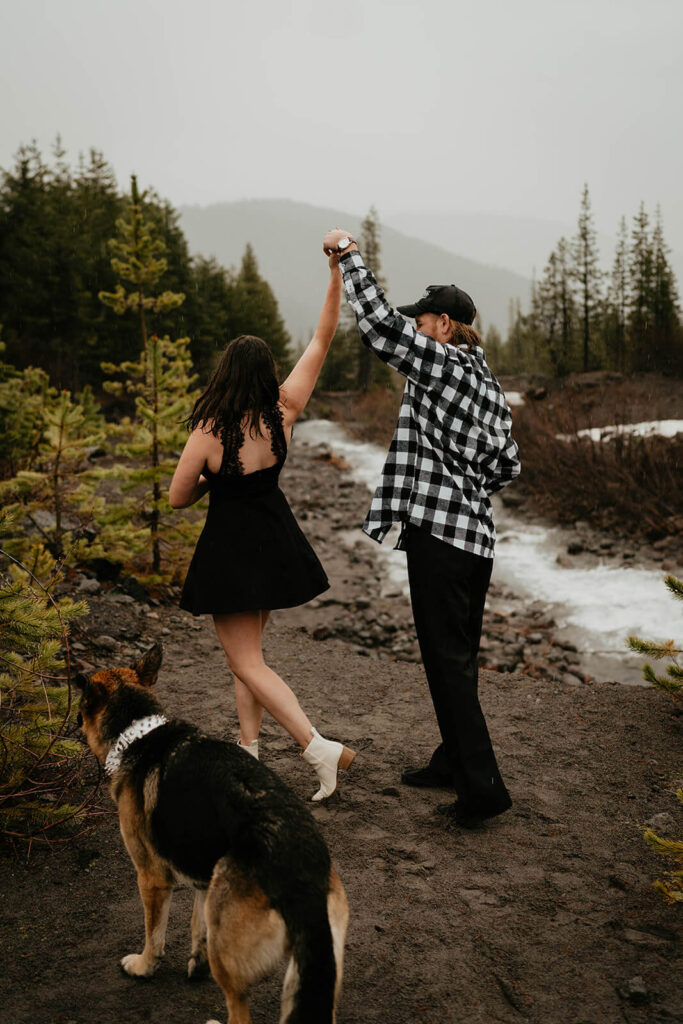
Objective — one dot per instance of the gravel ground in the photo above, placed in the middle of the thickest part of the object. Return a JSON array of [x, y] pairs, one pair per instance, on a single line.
[[547, 914]]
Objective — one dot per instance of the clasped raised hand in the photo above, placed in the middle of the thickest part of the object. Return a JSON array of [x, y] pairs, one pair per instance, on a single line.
[[332, 239]]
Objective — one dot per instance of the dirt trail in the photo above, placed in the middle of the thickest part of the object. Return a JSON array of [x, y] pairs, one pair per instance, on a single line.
[[547, 915]]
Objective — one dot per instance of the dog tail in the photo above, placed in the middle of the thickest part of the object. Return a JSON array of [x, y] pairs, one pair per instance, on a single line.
[[317, 930]]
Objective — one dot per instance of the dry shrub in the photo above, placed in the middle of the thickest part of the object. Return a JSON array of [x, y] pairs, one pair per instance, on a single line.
[[630, 484], [374, 414], [366, 416]]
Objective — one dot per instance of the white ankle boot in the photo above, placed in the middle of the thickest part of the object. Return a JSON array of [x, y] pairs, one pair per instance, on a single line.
[[251, 748], [325, 757]]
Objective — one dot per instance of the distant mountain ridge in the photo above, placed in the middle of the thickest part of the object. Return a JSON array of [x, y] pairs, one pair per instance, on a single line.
[[286, 237], [521, 244]]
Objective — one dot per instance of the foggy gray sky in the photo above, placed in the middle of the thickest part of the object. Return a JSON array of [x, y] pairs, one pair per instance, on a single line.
[[439, 105]]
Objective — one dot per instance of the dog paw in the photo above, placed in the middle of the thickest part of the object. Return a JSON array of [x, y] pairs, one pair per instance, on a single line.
[[138, 966], [197, 968]]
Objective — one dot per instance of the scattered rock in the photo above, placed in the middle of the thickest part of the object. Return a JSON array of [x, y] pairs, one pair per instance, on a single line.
[[511, 499], [108, 642], [639, 938], [44, 519], [89, 586], [96, 452], [104, 569], [635, 992], [86, 857], [129, 585], [662, 822]]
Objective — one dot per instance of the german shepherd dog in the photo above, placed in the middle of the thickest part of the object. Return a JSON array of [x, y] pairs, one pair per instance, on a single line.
[[200, 810]]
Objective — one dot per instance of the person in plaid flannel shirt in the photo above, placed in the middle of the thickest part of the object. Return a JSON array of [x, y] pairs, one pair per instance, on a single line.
[[451, 450]]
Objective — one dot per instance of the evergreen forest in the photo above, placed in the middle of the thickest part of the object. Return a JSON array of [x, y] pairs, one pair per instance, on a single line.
[[582, 318], [56, 223], [109, 325]]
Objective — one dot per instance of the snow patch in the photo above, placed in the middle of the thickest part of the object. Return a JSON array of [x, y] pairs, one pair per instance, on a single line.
[[653, 428], [597, 608], [514, 398]]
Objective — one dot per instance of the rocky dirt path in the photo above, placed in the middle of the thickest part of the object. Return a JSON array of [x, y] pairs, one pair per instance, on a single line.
[[547, 915]]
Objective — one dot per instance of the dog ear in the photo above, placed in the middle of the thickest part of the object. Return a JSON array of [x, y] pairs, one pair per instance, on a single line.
[[147, 668], [81, 681], [94, 692]]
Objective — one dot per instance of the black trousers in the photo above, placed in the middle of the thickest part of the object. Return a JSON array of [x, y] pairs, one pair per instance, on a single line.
[[448, 590]]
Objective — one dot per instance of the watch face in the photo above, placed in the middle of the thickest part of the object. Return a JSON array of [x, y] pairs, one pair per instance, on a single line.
[[342, 243]]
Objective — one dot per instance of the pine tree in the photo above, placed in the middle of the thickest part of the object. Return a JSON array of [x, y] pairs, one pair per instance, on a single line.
[[672, 682], [371, 370], [556, 312], [588, 276], [255, 309], [617, 303], [97, 207], [211, 300], [140, 531], [161, 381], [48, 251], [26, 219], [667, 339], [23, 396], [35, 698], [641, 290], [671, 886], [514, 345], [340, 369], [45, 497], [494, 348]]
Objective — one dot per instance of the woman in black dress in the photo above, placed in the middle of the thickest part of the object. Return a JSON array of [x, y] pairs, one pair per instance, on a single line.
[[251, 556]]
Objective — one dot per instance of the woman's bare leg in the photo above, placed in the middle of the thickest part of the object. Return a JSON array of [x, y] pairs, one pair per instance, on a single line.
[[240, 638], [249, 710]]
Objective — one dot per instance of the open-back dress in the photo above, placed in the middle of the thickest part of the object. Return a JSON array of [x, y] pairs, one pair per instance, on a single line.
[[251, 553]]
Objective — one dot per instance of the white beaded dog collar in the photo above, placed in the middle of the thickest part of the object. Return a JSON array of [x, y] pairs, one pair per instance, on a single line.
[[135, 731]]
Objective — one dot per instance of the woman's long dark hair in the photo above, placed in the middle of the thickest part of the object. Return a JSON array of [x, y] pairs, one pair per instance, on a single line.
[[244, 383]]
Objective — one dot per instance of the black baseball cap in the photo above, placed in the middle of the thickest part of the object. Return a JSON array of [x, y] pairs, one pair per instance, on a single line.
[[443, 298]]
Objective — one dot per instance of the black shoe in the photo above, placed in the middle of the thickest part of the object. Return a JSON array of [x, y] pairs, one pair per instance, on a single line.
[[426, 778], [472, 816]]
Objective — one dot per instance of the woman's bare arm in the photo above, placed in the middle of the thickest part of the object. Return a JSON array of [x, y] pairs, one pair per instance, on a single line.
[[298, 387], [188, 485]]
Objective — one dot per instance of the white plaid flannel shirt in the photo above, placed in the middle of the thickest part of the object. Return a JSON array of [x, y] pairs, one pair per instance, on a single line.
[[452, 446]]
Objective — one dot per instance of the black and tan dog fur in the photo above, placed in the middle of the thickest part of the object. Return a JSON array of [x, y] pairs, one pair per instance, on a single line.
[[202, 811]]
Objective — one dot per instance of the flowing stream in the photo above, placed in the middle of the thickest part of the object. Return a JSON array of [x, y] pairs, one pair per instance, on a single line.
[[595, 608]]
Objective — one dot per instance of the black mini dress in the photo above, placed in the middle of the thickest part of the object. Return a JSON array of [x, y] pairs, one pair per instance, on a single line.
[[251, 553]]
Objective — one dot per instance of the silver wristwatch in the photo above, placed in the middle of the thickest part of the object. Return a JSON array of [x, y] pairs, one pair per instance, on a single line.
[[344, 243]]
